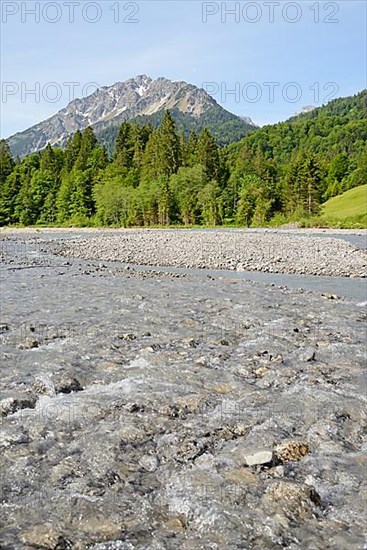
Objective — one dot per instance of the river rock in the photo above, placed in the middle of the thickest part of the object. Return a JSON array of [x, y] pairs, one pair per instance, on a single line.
[[159, 436], [308, 355], [149, 462], [10, 405], [42, 536], [294, 500], [43, 385], [291, 450], [67, 384], [29, 343], [258, 456]]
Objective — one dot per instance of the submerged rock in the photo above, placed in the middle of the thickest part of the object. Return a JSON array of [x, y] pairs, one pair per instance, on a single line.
[[10, 405], [149, 462], [256, 457], [295, 500], [68, 383], [291, 450]]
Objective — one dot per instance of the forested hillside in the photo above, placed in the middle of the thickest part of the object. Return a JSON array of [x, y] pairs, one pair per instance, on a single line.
[[225, 127], [160, 176], [335, 134]]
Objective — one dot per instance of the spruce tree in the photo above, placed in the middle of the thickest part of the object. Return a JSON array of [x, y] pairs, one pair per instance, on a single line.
[[125, 146], [169, 146], [87, 146], [207, 154], [192, 142], [72, 150], [6, 161]]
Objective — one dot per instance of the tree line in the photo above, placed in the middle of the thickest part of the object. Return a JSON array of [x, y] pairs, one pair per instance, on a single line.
[[162, 176]]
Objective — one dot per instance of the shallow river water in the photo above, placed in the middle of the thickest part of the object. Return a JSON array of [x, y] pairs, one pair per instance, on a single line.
[[161, 409]]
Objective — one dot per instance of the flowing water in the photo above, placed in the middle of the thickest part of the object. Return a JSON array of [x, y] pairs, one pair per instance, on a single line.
[[131, 397]]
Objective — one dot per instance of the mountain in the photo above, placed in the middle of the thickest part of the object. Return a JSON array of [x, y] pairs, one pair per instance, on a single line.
[[305, 109], [248, 120], [140, 99]]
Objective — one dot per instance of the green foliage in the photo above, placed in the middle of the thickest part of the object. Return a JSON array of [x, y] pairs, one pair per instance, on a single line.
[[210, 203], [185, 187], [278, 174], [6, 161], [224, 126], [304, 184]]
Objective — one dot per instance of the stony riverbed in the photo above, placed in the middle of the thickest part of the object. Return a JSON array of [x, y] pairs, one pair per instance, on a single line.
[[231, 250], [154, 410]]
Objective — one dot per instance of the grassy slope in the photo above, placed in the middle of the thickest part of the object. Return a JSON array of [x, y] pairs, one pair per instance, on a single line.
[[349, 204]]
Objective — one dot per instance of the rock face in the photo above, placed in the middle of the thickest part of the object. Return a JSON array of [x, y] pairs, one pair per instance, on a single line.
[[110, 105]]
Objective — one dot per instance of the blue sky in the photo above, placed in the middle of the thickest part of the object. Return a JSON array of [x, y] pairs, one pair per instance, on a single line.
[[308, 51]]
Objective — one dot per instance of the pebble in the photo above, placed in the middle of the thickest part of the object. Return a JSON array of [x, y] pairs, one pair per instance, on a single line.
[[256, 457], [292, 450], [149, 462], [268, 252], [10, 405], [68, 384], [308, 355]]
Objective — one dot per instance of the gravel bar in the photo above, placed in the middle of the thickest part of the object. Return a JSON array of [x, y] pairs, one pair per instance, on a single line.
[[230, 250]]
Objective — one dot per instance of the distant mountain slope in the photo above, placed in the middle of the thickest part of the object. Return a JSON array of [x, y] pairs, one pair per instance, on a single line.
[[139, 97], [225, 127], [351, 107], [340, 127]]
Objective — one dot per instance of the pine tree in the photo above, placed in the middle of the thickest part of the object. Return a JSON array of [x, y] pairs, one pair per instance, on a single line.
[[207, 154], [151, 168], [304, 185], [164, 201], [6, 161], [64, 197], [169, 146], [7, 189], [192, 142], [72, 150], [8, 198], [12, 206], [87, 146], [162, 154], [125, 146]]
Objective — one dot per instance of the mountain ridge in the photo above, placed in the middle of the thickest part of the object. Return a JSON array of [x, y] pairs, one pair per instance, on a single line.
[[109, 106]]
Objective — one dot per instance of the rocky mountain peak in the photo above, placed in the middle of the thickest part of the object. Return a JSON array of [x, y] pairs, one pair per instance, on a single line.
[[111, 105]]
